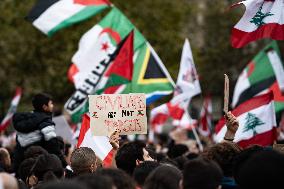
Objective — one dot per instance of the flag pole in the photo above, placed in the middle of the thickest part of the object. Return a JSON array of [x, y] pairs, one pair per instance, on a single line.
[[195, 133]]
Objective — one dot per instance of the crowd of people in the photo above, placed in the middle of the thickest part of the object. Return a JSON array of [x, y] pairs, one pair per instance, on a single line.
[[40, 159]]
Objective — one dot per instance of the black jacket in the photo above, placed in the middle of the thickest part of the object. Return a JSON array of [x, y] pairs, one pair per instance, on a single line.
[[35, 128]]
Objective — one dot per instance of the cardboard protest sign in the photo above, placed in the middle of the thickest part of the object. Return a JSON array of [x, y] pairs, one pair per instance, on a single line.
[[125, 112], [226, 94]]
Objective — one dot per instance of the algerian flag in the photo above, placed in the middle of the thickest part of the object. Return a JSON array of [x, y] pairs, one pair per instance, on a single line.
[[49, 16], [262, 19], [259, 75], [257, 122], [90, 63]]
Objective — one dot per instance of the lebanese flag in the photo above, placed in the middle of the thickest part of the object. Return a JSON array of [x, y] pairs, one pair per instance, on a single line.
[[262, 19], [158, 117], [100, 144], [205, 122], [257, 122], [49, 16], [13, 108]]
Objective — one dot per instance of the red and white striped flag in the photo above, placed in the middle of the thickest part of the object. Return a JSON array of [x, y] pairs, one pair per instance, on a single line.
[[257, 122], [100, 144], [13, 108], [262, 19], [205, 122]]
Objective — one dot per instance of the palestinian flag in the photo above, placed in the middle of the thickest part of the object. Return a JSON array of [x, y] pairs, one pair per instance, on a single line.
[[49, 16], [13, 108], [100, 144], [262, 19], [90, 63], [259, 75], [121, 69], [257, 122]]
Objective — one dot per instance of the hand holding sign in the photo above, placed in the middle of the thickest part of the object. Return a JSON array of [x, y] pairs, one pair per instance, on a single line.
[[114, 139]]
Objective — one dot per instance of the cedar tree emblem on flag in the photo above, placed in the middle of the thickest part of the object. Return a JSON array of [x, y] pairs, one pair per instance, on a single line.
[[251, 123], [259, 16]]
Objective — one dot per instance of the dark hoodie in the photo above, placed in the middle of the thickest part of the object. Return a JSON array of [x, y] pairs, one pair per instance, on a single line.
[[35, 128]]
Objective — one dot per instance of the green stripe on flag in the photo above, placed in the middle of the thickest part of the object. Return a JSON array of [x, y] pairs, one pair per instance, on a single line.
[[262, 68], [84, 14]]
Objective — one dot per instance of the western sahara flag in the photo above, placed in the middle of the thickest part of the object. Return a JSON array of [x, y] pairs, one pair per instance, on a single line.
[[259, 75], [89, 63], [100, 144], [262, 19], [13, 108], [49, 16], [257, 122]]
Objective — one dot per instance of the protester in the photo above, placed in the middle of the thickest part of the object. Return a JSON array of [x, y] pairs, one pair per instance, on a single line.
[[83, 160], [36, 128], [264, 169], [201, 174], [130, 155], [143, 170], [45, 169], [25, 170], [164, 177]]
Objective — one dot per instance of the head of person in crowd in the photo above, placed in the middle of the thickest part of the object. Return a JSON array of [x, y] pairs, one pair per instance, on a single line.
[[130, 155], [96, 181], [202, 174], [223, 154], [242, 157], [8, 181], [264, 169], [5, 160], [142, 171], [177, 150], [25, 169], [120, 179], [34, 152], [83, 160], [46, 168], [42, 103], [66, 184], [164, 177]]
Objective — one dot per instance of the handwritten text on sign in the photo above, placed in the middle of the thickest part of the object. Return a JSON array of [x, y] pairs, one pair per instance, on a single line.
[[125, 112]]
